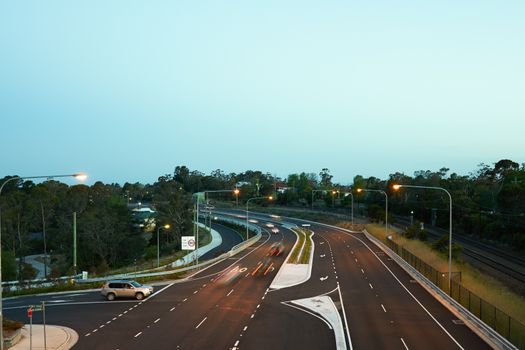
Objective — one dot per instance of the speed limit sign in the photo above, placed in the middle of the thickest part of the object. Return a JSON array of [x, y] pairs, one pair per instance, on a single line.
[[188, 242]]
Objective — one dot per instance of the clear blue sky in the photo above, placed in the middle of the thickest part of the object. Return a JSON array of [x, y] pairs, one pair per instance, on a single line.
[[127, 90]]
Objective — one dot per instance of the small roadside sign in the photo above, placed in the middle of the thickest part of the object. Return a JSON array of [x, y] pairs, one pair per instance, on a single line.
[[188, 242], [30, 312]]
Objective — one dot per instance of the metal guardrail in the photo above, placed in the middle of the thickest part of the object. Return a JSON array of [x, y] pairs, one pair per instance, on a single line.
[[481, 328], [147, 273]]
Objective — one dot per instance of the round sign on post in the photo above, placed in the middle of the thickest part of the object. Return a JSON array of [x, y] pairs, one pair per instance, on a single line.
[[30, 312], [191, 243]]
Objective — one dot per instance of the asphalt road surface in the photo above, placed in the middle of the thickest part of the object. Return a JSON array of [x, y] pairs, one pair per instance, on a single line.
[[382, 306]]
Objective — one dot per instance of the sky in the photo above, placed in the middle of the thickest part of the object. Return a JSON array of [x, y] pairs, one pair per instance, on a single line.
[[127, 90]]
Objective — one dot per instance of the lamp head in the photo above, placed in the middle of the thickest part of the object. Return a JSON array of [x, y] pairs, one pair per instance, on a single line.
[[359, 190], [236, 191], [167, 226], [80, 176], [397, 187]]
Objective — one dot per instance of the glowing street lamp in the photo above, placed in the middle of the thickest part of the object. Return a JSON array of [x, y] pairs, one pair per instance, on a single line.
[[166, 227], [78, 176], [248, 201], [397, 187]]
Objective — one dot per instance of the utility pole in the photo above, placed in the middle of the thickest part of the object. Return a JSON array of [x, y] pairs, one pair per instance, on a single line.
[[75, 242]]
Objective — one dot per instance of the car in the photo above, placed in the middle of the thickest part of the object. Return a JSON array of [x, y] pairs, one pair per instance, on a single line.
[[125, 289], [276, 249], [263, 267], [275, 230]]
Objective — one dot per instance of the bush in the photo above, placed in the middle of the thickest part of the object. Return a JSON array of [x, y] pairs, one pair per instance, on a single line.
[[11, 325]]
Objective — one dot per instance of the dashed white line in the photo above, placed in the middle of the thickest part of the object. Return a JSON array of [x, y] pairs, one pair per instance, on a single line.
[[236, 343], [157, 320], [362, 271], [102, 326], [383, 307], [355, 260], [370, 286], [252, 315], [87, 335], [195, 292], [185, 299], [108, 322], [201, 322], [231, 291], [245, 328], [173, 308], [138, 334], [114, 318], [258, 305], [406, 347]]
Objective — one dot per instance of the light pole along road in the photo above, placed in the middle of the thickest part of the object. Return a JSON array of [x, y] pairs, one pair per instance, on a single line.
[[397, 187], [166, 227], [78, 176], [313, 191], [386, 203], [247, 202]]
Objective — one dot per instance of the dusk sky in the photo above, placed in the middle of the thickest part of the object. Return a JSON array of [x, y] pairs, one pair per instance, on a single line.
[[127, 90]]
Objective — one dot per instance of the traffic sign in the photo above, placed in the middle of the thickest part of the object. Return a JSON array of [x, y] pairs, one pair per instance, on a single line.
[[30, 312], [188, 242]]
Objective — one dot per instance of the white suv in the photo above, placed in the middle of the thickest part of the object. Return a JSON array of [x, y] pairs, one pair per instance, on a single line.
[[125, 289]]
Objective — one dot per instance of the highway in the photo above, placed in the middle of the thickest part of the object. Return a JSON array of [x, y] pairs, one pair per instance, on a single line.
[[381, 307]]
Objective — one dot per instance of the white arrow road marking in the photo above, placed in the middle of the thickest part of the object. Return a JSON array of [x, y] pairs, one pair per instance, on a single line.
[[323, 278], [322, 255]]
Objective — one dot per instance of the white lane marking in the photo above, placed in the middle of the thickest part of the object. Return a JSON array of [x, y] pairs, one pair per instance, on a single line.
[[138, 334], [120, 315], [157, 320], [231, 291], [236, 343], [362, 271], [93, 331], [204, 285], [383, 307], [173, 308], [195, 292], [125, 312], [258, 305], [355, 260], [102, 326], [308, 312], [158, 292], [87, 335], [370, 286], [406, 347], [245, 328], [114, 318], [323, 278], [201, 322], [252, 315], [406, 289], [185, 299]]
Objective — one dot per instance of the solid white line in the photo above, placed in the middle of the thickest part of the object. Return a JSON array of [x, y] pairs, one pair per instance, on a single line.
[[406, 289], [138, 334], [406, 347], [158, 292], [231, 291], [344, 315], [308, 312], [201, 322], [383, 307], [157, 320]]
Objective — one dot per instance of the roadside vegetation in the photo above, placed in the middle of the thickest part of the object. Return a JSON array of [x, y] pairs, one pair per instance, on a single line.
[[301, 251]]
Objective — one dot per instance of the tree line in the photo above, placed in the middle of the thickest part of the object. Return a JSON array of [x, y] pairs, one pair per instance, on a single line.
[[38, 218]]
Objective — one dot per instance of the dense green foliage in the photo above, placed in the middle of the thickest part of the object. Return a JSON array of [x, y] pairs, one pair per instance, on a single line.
[[38, 218]]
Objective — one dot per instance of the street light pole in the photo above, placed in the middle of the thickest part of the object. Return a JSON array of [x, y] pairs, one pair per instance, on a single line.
[[396, 187], [158, 242], [386, 203], [248, 201], [79, 176], [352, 198]]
